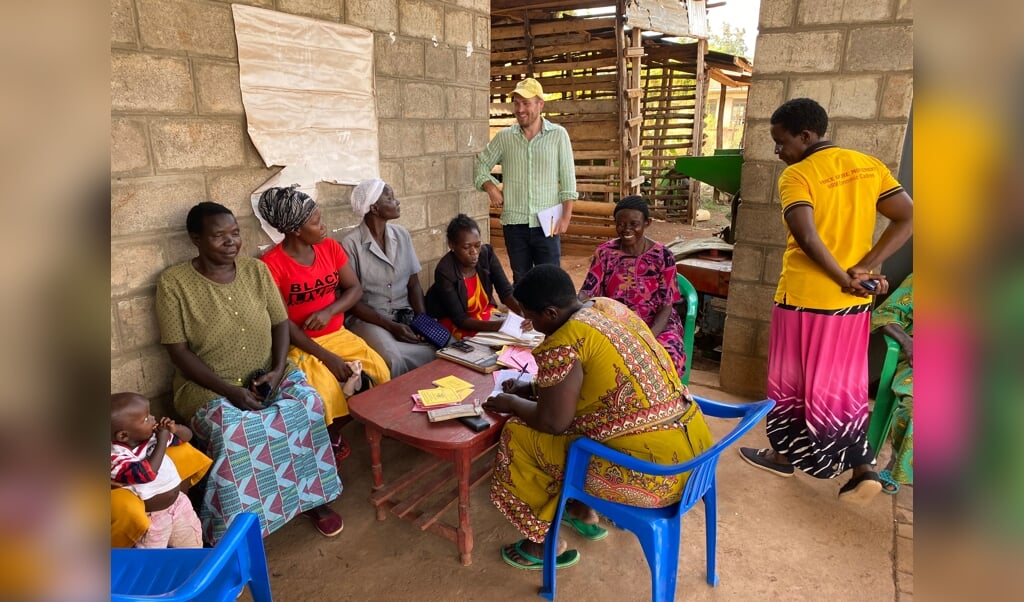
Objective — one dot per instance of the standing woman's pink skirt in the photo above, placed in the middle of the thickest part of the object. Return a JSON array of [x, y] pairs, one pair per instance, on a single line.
[[818, 376]]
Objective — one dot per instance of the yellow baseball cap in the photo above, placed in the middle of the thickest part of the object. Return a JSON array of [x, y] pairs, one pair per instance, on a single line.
[[528, 88]]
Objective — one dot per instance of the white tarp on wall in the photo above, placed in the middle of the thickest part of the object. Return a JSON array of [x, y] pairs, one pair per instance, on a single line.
[[307, 88]]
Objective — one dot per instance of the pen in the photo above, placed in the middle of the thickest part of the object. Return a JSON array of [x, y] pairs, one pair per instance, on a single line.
[[552, 228]]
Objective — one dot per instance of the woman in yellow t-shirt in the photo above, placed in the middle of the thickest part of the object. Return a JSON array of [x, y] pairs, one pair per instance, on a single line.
[[818, 343]]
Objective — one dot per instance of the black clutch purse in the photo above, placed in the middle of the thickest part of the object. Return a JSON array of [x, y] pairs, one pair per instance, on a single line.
[[431, 330]]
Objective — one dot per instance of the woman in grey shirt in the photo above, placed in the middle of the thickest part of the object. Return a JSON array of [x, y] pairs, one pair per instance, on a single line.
[[385, 262]]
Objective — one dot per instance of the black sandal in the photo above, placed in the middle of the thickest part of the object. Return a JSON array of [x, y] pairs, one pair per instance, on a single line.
[[861, 489]]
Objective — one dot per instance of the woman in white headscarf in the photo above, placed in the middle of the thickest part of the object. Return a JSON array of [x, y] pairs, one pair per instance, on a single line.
[[385, 262]]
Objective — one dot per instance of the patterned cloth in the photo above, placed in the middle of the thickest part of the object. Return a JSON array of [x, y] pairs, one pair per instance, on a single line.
[[631, 400], [898, 308], [276, 462], [644, 283], [817, 375]]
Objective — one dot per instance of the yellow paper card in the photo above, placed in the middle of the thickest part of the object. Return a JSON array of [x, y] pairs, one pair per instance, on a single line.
[[438, 396], [453, 382]]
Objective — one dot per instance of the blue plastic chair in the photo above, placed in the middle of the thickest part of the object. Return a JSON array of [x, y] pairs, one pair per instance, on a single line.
[[218, 573], [690, 322], [658, 529], [885, 400]]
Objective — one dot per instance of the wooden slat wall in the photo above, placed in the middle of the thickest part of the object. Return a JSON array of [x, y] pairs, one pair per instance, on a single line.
[[669, 103], [627, 101]]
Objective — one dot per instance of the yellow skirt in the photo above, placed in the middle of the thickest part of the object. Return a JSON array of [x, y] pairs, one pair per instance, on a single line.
[[349, 347], [128, 519], [530, 468]]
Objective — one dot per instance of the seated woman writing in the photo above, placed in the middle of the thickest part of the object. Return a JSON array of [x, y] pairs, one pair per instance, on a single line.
[[462, 297], [640, 273], [386, 265], [318, 286], [602, 375], [226, 329]]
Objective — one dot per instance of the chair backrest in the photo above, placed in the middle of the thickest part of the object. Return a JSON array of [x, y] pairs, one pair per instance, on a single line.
[[689, 294], [885, 400], [218, 573], [702, 466]]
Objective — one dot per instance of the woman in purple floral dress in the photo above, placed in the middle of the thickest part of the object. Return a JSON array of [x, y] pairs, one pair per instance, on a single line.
[[641, 274]]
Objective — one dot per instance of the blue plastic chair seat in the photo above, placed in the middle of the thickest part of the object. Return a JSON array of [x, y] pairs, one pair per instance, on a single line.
[[218, 573], [658, 529]]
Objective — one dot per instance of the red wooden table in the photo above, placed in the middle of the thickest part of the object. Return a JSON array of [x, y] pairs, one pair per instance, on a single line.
[[386, 410]]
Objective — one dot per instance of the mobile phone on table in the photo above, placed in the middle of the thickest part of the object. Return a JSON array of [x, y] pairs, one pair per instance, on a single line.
[[462, 346]]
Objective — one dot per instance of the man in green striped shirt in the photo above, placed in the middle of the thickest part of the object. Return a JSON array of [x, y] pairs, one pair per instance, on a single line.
[[537, 172]]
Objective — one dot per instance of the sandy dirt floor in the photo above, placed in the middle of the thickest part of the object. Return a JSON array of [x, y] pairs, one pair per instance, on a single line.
[[778, 539]]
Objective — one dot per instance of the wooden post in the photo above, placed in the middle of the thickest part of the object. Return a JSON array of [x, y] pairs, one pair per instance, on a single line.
[[636, 113], [719, 135], [624, 102], [701, 78], [528, 39]]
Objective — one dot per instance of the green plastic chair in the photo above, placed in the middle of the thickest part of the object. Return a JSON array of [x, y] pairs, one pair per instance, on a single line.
[[885, 399], [689, 323]]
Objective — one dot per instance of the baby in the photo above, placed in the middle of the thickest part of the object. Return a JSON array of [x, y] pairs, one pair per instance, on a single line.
[[138, 462]]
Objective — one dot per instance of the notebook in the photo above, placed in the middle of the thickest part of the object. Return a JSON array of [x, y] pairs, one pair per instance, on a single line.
[[480, 358]]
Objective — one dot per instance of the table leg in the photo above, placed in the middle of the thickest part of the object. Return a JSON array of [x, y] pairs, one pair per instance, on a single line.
[[463, 462], [373, 437]]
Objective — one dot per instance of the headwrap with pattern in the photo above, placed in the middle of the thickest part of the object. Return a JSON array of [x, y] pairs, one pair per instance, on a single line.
[[286, 209]]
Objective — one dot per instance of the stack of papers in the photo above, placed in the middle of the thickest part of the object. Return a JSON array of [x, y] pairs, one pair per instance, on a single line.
[[518, 358], [511, 333], [450, 390], [548, 218]]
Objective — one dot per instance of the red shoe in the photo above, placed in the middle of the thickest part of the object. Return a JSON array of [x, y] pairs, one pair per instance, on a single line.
[[341, 449], [328, 522]]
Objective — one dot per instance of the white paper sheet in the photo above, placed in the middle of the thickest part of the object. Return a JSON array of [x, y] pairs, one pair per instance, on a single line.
[[501, 376], [307, 88], [548, 218]]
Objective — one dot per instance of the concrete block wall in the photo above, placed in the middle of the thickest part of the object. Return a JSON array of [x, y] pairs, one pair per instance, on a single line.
[[178, 137], [855, 57]]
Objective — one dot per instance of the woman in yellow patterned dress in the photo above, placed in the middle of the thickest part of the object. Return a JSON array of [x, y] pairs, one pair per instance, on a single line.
[[601, 374]]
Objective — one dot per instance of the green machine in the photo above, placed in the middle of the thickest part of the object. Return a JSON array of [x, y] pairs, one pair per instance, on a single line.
[[721, 170]]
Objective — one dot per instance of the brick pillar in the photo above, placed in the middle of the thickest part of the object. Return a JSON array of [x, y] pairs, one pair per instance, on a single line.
[[855, 57]]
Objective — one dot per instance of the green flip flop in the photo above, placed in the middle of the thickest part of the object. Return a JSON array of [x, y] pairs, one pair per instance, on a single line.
[[563, 560], [591, 532]]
